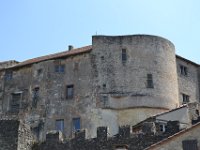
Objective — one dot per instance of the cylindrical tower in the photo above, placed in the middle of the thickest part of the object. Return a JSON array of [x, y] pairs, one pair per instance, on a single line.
[[139, 69], [135, 75]]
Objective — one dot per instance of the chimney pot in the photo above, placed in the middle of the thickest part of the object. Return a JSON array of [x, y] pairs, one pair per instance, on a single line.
[[70, 47]]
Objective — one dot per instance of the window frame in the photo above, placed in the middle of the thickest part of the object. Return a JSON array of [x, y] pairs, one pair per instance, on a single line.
[[15, 104], [74, 124], [8, 75], [60, 125], [68, 87], [124, 55], [150, 83], [183, 70], [59, 68], [185, 98]]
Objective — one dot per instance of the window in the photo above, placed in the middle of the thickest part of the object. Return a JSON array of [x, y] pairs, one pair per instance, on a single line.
[[104, 101], [70, 92], [15, 102], [8, 75], [185, 98], [183, 70], [60, 68], [39, 72], [189, 145], [162, 127], [35, 96], [124, 55], [76, 124], [76, 66], [60, 125], [150, 81]]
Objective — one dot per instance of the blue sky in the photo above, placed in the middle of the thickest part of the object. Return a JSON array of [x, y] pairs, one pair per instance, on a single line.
[[31, 28]]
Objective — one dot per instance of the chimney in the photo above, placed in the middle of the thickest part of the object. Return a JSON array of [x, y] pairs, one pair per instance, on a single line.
[[70, 47]]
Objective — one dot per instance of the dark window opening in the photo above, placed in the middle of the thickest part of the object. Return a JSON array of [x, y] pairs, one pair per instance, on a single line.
[[121, 147], [76, 66], [189, 145], [104, 101], [183, 70], [162, 127], [76, 124], [8, 75], [15, 102], [124, 55], [70, 91], [185, 98], [150, 81], [197, 112], [39, 72], [60, 125], [35, 96], [104, 86], [60, 68]]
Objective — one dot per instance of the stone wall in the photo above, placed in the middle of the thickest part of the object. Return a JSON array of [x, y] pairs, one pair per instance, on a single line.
[[107, 91], [125, 83], [188, 84], [9, 134], [25, 137], [102, 142], [15, 136]]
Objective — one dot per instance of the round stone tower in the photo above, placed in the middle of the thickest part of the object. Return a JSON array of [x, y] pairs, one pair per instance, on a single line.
[[135, 76]]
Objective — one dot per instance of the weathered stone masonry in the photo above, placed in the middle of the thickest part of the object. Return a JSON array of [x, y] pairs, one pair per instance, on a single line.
[[116, 81]]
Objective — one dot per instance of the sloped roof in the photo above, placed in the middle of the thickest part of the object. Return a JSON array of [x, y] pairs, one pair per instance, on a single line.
[[187, 60], [55, 56], [173, 136], [160, 114]]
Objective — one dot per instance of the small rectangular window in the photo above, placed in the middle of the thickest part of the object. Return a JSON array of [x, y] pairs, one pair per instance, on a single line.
[[76, 65], [60, 68], [183, 70], [104, 101], [76, 124], [150, 81], [35, 96], [15, 102], [70, 91], [8, 75], [39, 72], [190, 145], [60, 125], [124, 55], [185, 98]]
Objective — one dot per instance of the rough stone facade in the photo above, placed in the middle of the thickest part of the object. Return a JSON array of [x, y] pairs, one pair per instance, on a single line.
[[188, 83], [119, 80], [15, 135]]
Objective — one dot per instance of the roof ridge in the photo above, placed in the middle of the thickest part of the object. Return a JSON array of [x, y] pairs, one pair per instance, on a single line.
[[54, 56]]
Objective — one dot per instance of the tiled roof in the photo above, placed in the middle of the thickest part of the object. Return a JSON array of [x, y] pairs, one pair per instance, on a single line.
[[172, 137], [55, 56]]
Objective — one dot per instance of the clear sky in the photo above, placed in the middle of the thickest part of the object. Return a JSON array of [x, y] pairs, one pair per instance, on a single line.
[[32, 28]]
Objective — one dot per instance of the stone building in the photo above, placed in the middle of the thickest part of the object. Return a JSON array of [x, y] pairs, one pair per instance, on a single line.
[[116, 81]]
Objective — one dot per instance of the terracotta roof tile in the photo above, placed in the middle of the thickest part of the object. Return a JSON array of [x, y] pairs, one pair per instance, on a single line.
[[55, 56]]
